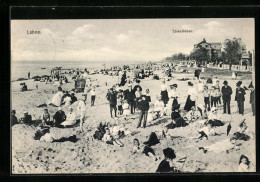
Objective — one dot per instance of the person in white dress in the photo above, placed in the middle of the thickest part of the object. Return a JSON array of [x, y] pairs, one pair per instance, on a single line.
[[191, 98], [71, 118], [82, 109], [56, 99]]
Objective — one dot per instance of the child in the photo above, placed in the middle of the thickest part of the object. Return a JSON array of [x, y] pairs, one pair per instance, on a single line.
[[137, 97], [148, 151], [206, 94], [213, 96], [218, 96], [243, 164], [46, 117], [93, 96], [126, 110], [108, 138], [120, 103]]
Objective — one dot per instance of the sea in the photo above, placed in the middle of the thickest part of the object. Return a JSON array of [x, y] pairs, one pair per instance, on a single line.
[[20, 69]]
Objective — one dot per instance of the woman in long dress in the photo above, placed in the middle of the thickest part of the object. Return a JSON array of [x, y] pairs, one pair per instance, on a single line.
[[173, 95], [56, 100], [192, 96], [164, 93]]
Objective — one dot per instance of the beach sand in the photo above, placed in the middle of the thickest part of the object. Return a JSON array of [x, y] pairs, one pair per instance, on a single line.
[[88, 155]]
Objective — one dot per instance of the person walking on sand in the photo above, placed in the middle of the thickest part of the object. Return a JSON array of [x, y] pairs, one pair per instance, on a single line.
[[240, 97], [226, 96], [93, 96], [82, 108], [29, 75], [164, 93]]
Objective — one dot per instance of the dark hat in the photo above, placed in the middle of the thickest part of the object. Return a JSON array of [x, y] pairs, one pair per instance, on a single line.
[[239, 83], [137, 81], [225, 82], [169, 153], [190, 84]]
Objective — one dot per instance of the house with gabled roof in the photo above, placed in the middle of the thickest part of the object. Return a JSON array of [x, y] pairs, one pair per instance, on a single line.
[[214, 48]]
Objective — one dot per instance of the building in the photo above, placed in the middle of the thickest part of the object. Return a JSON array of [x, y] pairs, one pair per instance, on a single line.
[[214, 48]]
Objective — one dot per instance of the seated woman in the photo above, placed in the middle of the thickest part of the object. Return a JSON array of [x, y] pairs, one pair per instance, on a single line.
[[243, 164], [148, 151], [243, 133], [109, 139], [56, 100], [71, 118], [214, 118], [167, 165]]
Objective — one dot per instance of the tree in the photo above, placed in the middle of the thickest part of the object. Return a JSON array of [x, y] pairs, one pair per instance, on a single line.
[[233, 50], [201, 55]]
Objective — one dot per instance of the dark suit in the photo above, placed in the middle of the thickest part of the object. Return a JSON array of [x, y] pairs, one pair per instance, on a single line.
[[240, 98], [144, 107], [112, 98], [130, 97], [226, 96]]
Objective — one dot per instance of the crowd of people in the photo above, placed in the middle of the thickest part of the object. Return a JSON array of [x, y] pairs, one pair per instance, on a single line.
[[135, 99]]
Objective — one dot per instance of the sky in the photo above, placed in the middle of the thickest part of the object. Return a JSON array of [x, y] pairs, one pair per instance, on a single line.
[[120, 39]]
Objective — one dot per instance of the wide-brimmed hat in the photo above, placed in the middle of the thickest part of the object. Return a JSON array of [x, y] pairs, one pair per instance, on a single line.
[[225, 82]]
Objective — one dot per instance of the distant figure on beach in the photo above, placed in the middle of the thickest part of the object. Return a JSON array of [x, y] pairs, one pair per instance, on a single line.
[[29, 75], [59, 117], [23, 87], [240, 97], [36, 86], [234, 75], [26, 119], [14, 119], [226, 96], [82, 109]]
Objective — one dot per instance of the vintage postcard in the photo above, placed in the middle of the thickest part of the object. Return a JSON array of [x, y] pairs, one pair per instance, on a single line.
[[132, 96]]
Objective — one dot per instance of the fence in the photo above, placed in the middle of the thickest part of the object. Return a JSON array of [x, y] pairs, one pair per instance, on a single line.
[[233, 67]]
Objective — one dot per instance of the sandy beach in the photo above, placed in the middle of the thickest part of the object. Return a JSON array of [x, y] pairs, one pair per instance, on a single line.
[[88, 155]]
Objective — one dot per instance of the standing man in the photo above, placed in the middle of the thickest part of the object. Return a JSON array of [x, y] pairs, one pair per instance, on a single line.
[[226, 96], [82, 108], [144, 107], [240, 97], [112, 98], [130, 97], [29, 75]]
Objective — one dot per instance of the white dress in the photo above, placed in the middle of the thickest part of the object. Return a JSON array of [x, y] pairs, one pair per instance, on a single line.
[[56, 99], [172, 94], [71, 119], [82, 109]]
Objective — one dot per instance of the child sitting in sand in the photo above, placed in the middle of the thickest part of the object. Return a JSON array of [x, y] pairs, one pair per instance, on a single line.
[[148, 151], [243, 164], [108, 138], [243, 133], [192, 115], [46, 117], [126, 110]]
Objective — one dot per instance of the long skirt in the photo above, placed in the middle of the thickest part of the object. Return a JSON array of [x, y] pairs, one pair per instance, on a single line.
[[189, 103], [165, 97]]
